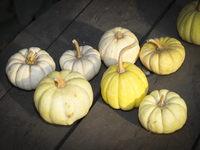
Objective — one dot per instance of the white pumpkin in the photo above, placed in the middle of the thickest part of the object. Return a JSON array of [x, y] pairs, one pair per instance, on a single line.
[[162, 112], [63, 97], [113, 41], [84, 60], [27, 67]]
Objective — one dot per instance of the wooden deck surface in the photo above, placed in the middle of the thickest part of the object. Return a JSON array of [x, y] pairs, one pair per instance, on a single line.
[[86, 21]]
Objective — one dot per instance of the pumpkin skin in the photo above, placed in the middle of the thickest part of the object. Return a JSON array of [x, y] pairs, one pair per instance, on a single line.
[[188, 23], [123, 90], [113, 41], [162, 56], [63, 102], [27, 67], [163, 118], [84, 60]]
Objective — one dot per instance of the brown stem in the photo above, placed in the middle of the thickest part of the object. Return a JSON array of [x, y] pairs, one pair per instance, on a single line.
[[198, 6], [159, 46], [77, 48], [30, 60], [121, 69], [119, 35], [59, 82], [161, 102]]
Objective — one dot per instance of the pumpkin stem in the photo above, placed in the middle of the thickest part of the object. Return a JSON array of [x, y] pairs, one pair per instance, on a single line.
[[121, 69], [30, 60], [198, 6], [59, 82], [119, 35], [161, 102], [77, 48], [159, 46]]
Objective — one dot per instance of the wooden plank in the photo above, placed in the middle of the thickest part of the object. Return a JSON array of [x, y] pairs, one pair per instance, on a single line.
[[106, 128], [99, 17], [41, 33], [21, 124]]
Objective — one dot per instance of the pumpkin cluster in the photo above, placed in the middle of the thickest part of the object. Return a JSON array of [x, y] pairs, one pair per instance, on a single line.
[[66, 96]]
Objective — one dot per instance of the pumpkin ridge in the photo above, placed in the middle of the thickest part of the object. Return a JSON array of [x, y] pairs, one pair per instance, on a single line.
[[42, 95], [17, 74], [149, 117], [138, 77], [108, 101], [52, 107], [181, 21], [168, 102], [192, 23]]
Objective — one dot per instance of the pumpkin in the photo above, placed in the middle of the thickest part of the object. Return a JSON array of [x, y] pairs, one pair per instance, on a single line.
[[113, 41], [28, 66], [85, 60], [188, 23], [162, 112], [162, 56], [124, 85], [63, 97]]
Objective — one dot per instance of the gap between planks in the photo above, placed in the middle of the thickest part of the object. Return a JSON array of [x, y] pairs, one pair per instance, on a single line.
[[99, 93]]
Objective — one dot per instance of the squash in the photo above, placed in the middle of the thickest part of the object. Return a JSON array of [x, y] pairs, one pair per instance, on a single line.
[[85, 60], [124, 85], [162, 112], [113, 41], [63, 97], [162, 56], [188, 23], [28, 66]]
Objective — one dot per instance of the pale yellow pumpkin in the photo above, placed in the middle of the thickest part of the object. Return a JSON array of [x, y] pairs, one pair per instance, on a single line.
[[124, 85], [162, 112], [84, 60], [113, 41], [63, 97], [188, 23], [28, 66], [162, 56]]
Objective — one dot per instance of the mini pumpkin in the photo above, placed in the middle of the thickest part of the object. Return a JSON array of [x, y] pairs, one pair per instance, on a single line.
[[85, 60], [124, 85], [188, 23], [27, 67], [113, 41], [63, 97], [162, 112], [162, 56]]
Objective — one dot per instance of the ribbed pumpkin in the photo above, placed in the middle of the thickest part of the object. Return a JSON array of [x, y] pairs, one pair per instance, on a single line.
[[84, 60], [113, 41], [188, 23], [124, 85], [162, 111], [28, 66], [162, 56], [63, 97]]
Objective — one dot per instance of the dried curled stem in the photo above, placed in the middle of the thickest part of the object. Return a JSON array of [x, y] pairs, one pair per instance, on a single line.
[[121, 69], [59, 82], [31, 59], [77, 48]]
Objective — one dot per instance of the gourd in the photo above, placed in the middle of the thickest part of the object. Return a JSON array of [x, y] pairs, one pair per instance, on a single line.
[[28, 66], [188, 23], [85, 60], [113, 41], [63, 97], [162, 112], [162, 56], [124, 85]]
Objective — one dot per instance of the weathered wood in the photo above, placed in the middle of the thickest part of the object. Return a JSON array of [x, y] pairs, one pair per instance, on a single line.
[[21, 126], [106, 128], [41, 33]]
